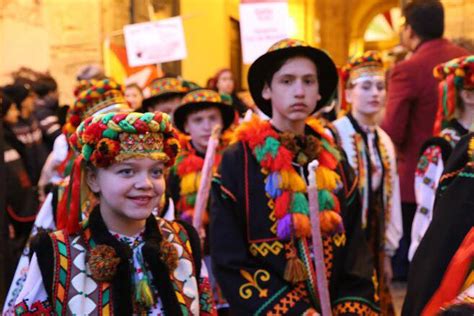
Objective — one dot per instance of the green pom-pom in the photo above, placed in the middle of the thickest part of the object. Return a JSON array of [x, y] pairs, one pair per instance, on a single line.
[[299, 204], [326, 200], [87, 152], [191, 199]]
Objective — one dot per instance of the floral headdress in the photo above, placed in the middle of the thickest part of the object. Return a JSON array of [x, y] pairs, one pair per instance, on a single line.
[[368, 64], [94, 96], [105, 139], [454, 75]]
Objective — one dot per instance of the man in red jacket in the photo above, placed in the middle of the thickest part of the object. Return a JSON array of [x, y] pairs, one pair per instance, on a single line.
[[412, 101]]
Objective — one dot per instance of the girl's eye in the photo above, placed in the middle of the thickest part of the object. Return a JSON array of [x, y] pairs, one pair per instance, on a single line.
[[126, 172], [381, 86], [157, 173]]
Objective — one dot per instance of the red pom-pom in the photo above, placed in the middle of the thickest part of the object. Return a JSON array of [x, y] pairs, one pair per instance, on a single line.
[[282, 204]]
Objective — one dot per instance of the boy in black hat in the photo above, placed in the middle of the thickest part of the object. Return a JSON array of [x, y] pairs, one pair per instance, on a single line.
[[166, 94], [260, 229], [197, 115]]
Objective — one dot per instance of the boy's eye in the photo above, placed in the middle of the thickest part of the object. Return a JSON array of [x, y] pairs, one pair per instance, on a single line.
[[310, 81]]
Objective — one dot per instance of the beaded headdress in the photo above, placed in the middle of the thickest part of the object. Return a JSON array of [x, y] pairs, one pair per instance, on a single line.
[[368, 64], [105, 139], [454, 75]]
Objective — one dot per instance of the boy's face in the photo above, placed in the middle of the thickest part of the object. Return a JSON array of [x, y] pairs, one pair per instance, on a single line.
[[128, 190], [294, 90], [199, 126]]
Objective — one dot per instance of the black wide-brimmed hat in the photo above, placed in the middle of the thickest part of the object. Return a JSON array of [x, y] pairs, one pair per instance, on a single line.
[[165, 87], [202, 99], [282, 50]]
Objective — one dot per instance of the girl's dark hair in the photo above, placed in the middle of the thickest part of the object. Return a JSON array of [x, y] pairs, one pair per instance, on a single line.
[[426, 18]]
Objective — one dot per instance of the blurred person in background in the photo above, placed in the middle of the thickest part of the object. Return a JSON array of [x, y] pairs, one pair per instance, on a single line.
[[223, 82], [27, 129], [47, 107], [21, 200], [134, 96], [166, 93], [412, 102]]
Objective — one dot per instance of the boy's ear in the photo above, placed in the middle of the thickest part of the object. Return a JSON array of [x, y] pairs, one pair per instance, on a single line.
[[266, 92], [91, 179], [185, 126]]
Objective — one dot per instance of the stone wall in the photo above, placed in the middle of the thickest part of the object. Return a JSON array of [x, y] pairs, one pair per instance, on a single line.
[[459, 23]]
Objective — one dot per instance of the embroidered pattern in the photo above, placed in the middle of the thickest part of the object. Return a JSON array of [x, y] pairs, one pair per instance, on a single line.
[[328, 255], [354, 308], [246, 292], [38, 308], [264, 248], [289, 300], [62, 275], [205, 298]]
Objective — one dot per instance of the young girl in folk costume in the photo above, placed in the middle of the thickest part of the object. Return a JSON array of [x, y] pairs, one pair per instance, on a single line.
[[197, 115], [92, 96], [455, 117], [122, 259], [260, 232], [371, 154], [441, 278]]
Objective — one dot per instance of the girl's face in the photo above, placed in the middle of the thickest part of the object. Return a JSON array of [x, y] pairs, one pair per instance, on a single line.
[[134, 97], [467, 96], [128, 191], [225, 83], [11, 117], [367, 95]]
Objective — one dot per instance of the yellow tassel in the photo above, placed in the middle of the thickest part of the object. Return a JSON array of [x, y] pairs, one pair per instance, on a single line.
[[144, 294], [290, 180], [327, 179], [190, 183], [295, 271]]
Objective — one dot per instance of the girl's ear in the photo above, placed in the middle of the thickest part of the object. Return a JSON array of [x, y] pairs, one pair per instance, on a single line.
[[348, 93], [91, 179]]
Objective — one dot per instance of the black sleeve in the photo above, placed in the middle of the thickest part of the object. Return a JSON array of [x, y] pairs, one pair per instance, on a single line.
[[353, 282], [42, 245]]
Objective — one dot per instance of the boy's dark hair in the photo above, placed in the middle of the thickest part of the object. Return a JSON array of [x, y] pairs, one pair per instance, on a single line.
[[161, 99], [426, 18], [274, 67], [44, 85]]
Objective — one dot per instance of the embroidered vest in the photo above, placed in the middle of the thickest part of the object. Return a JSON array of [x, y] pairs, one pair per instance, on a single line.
[[75, 292]]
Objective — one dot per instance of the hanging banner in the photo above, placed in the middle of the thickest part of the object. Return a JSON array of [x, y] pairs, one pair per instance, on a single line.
[[261, 25], [155, 42]]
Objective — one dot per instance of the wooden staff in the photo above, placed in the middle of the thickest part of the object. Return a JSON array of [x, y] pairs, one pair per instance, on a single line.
[[321, 279], [206, 177]]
